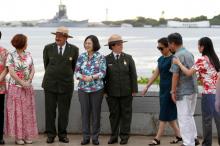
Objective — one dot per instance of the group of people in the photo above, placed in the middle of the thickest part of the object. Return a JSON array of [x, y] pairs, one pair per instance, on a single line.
[[114, 77], [178, 89]]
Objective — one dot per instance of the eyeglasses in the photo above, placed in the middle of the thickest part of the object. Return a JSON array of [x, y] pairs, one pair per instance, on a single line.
[[160, 48]]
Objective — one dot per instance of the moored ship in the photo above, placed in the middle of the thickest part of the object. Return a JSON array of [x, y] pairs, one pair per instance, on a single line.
[[61, 19]]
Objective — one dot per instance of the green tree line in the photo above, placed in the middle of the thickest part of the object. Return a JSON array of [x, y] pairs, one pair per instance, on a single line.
[[141, 21]]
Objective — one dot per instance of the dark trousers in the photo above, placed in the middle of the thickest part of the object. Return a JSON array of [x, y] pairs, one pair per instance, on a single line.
[[208, 113], [91, 105], [52, 101], [2, 102], [120, 115]]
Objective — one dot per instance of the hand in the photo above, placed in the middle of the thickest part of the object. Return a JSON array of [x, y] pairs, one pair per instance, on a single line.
[[1, 79], [133, 94], [144, 91], [87, 78], [29, 81], [176, 61], [25, 84], [217, 105], [105, 95], [173, 96]]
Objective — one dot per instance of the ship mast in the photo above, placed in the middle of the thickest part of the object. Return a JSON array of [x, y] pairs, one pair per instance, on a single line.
[[106, 14]]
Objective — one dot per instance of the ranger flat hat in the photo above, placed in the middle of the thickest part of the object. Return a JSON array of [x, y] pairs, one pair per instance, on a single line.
[[115, 39], [62, 30]]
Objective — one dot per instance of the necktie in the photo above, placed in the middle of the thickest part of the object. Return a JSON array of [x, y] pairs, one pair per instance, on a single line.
[[117, 57], [60, 53]]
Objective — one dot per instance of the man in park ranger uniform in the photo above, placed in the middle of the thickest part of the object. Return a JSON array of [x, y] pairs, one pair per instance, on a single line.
[[59, 62], [120, 87]]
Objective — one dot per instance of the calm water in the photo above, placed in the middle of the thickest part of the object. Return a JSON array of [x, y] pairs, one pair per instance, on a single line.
[[141, 43]]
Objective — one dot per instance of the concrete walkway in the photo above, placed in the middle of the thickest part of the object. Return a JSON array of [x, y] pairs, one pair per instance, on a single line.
[[76, 139]]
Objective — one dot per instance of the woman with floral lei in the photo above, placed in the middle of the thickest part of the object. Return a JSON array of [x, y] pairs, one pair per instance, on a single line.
[[20, 104]]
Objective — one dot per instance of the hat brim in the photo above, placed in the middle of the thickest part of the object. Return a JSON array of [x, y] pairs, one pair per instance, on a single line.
[[115, 42], [55, 33]]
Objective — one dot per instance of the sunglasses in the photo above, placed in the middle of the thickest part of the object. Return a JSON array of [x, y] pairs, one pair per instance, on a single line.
[[160, 48]]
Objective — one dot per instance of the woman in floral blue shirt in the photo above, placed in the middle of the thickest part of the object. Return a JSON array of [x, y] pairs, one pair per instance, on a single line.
[[90, 71]]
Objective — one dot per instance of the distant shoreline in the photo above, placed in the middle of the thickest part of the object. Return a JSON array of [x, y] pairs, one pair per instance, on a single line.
[[137, 22]]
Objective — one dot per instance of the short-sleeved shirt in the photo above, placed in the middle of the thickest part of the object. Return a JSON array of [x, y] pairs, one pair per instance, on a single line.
[[22, 66], [207, 74], [186, 85], [3, 57]]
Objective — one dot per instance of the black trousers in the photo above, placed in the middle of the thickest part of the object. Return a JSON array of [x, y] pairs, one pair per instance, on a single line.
[[120, 115], [2, 102], [52, 101]]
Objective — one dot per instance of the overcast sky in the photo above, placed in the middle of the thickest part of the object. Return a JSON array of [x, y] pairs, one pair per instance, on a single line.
[[95, 10]]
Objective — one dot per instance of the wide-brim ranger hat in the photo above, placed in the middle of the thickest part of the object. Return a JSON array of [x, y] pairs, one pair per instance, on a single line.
[[62, 30], [115, 39]]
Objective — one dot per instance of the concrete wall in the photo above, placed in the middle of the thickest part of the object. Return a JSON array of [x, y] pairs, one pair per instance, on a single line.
[[144, 120]]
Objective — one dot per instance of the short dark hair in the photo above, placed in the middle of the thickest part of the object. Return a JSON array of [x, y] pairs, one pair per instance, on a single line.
[[19, 41], [175, 38], [163, 41], [0, 34], [95, 41]]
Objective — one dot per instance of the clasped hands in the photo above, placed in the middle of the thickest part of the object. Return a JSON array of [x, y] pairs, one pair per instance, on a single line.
[[87, 78]]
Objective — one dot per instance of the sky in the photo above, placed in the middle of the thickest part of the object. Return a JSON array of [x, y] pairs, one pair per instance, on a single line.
[[95, 10]]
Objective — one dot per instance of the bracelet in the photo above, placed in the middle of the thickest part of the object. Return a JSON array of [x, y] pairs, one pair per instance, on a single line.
[[172, 92]]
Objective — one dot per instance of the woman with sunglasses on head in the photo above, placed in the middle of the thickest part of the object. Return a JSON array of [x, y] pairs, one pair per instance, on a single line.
[[168, 111], [207, 67]]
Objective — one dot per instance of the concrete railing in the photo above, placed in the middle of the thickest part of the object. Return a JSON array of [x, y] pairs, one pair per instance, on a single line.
[[144, 119]]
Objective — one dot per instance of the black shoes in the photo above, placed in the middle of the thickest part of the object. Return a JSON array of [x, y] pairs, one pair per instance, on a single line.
[[95, 142], [64, 139], [61, 139], [50, 139], [85, 141], [124, 141], [113, 140]]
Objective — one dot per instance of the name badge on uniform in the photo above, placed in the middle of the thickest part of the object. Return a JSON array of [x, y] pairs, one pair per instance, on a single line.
[[125, 63], [70, 58], [109, 65]]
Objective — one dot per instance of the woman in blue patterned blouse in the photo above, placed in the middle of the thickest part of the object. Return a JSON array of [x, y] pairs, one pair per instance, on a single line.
[[90, 71]]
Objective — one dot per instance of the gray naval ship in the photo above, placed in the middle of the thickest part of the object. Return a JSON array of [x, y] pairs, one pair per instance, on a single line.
[[61, 19]]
